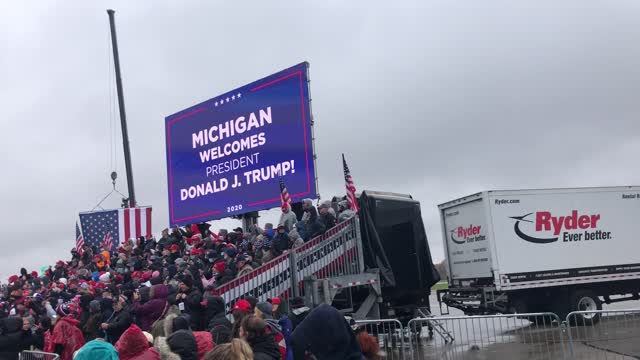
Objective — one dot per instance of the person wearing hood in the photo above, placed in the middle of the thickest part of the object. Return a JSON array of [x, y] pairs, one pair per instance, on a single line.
[[133, 345], [66, 337], [97, 349], [264, 311], [327, 335], [218, 324], [192, 299], [181, 345], [119, 321], [287, 218], [254, 331], [149, 312]]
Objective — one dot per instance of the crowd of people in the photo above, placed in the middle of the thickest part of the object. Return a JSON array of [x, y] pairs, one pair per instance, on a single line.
[[152, 299]]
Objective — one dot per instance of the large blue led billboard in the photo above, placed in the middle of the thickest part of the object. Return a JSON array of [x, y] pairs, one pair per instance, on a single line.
[[225, 155]]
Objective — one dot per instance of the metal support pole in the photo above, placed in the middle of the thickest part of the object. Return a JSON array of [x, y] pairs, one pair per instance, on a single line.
[[123, 116], [359, 244], [293, 266]]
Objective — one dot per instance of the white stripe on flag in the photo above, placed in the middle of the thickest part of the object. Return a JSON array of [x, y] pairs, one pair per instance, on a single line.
[[132, 224], [143, 221], [121, 235]]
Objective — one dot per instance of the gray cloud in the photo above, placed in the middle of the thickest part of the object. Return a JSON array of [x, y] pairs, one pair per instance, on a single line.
[[435, 99]]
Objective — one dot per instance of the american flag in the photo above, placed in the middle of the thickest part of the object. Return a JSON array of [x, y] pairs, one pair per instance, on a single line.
[[107, 242], [79, 240], [284, 195], [115, 225], [351, 189]]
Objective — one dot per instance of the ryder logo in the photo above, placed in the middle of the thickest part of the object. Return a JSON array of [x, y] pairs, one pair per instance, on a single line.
[[545, 222], [462, 235]]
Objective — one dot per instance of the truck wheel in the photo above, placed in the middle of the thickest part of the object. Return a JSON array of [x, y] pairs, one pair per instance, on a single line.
[[587, 301]]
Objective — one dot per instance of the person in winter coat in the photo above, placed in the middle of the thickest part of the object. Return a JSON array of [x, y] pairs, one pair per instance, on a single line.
[[298, 311], [119, 322], [241, 309], [153, 310], [327, 218], [91, 328], [205, 343], [159, 328], [254, 331], [133, 345], [281, 241], [192, 299], [344, 212], [97, 349], [11, 337], [243, 267], [219, 326], [237, 349], [264, 310], [327, 335], [66, 337], [181, 345], [287, 218]]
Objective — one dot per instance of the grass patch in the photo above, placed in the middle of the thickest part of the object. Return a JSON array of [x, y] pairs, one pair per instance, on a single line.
[[441, 285]]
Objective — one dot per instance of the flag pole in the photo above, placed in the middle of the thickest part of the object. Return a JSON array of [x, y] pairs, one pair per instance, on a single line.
[[123, 116]]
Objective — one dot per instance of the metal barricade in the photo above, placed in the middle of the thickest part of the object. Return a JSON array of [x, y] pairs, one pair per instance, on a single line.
[[604, 334], [37, 355], [390, 335], [512, 336]]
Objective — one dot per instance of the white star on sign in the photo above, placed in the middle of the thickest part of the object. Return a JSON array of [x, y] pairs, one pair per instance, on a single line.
[[216, 103], [239, 95], [233, 97], [227, 99]]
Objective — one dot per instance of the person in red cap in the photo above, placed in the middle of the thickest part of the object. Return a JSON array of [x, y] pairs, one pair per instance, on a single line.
[[240, 310], [174, 254]]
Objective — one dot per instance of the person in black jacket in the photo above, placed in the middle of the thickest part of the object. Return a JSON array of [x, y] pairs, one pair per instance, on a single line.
[[119, 322], [218, 324], [326, 216], [281, 241], [254, 331], [327, 335], [192, 298], [11, 337]]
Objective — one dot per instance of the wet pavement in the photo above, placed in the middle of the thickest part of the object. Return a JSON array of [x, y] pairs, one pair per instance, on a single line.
[[616, 336]]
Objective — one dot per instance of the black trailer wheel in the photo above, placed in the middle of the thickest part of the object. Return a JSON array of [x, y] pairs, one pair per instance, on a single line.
[[587, 301]]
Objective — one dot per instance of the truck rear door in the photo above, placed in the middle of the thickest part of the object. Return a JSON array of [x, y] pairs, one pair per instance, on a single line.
[[466, 240]]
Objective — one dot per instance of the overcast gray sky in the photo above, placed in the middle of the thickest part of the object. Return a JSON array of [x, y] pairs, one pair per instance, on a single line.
[[437, 99]]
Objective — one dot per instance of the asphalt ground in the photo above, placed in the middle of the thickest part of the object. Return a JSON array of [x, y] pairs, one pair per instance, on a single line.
[[616, 336]]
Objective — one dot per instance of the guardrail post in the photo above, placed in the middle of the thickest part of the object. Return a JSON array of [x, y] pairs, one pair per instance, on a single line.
[[293, 268]]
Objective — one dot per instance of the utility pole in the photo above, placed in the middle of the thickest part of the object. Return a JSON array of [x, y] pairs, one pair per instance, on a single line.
[[123, 116]]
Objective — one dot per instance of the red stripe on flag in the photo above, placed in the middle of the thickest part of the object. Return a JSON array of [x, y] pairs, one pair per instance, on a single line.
[[148, 217], [127, 226], [138, 225]]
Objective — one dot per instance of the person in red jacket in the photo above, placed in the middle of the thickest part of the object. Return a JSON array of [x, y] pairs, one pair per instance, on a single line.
[[133, 345], [66, 337]]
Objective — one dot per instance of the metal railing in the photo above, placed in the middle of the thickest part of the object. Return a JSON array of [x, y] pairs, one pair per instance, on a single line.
[[512, 336], [336, 252], [37, 355], [390, 335], [604, 334]]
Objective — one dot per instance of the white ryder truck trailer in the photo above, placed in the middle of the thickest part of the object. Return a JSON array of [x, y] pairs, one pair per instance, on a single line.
[[557, 250]]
